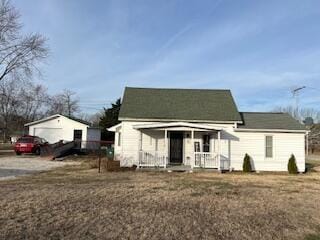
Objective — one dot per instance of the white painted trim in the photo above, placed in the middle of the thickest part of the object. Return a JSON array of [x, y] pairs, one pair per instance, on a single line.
[[192, 160], [270, 130], [219, 151], [307, 143], [50, 118], [175, 124], [114, 128], [175, 120], [265, 147], [43, 120]]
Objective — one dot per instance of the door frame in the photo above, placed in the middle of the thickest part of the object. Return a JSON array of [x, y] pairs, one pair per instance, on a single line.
[[183, 147], [78, 144]]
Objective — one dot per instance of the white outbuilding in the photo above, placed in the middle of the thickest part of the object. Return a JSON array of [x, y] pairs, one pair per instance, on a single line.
[[59, 127]]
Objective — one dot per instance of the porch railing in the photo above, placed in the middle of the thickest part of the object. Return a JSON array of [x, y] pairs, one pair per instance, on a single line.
[[152, 159], [201, 160], [206, 160]]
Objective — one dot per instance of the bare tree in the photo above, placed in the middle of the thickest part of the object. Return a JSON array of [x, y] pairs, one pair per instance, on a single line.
[[300, 114], [19, 54], [93, 118], [71, 103], [34, 102], [21, 101], [64, 103], [9, 103]]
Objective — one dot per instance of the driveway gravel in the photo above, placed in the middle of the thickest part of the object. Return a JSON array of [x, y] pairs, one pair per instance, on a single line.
[[13, 166]]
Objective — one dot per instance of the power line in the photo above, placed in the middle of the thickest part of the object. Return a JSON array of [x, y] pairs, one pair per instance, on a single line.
[[313, 88]]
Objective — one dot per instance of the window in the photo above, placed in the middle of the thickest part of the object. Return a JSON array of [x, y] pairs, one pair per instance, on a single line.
[[119, 138], [206, 143], [269, 146], [77, 134], [25, 140], [197, 146]]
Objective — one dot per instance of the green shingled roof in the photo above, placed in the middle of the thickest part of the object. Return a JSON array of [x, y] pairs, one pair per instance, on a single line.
[[178, 104], [252, 120]]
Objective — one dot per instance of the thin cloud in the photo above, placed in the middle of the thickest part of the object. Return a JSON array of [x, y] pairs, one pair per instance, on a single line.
[[185, 29]]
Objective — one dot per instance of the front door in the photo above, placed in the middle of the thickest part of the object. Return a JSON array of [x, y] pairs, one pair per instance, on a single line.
[[176, 147], [77, 137]]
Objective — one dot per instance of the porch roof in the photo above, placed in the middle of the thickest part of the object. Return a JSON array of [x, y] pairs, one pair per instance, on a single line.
[[176, 124], [114, 128]]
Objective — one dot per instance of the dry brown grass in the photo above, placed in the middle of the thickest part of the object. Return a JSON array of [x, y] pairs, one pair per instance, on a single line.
[[75, 202]]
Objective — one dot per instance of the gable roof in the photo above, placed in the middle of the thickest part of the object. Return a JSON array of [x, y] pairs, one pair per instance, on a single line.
[[56, 116], [179, 105], [78, 120], [269, 120]]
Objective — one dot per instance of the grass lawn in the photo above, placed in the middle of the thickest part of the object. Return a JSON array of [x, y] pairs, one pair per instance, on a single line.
[[75, 202]]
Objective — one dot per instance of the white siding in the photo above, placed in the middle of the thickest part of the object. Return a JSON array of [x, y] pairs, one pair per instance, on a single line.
[[234, 145], [60, 128], [129, 145], [52, 135], [253, 143]]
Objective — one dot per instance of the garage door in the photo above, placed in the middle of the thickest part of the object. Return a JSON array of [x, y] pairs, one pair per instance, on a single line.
[[52, 135]]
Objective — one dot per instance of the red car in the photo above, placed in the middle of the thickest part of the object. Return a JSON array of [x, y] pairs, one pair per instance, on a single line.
[[29, 144]]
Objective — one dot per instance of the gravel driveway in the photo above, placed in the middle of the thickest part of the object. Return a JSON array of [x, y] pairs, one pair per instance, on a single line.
[[13, 166]]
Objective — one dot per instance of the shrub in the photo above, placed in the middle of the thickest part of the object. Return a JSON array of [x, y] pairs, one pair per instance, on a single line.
[[246, 164], [292, 166]]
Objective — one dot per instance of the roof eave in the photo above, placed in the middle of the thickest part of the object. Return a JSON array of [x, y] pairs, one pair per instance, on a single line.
[[43, 120], [270, 130], [114, 128], [52, 117], [175, 124], [177, 120]]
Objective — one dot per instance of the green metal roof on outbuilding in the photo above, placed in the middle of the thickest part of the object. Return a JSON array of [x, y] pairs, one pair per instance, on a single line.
[[178, 104], [269, 120]]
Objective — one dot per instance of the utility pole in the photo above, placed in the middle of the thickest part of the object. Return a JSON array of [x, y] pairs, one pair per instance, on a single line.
[[295, 94]]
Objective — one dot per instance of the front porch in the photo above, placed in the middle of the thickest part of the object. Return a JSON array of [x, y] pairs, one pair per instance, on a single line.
[[194, 146]]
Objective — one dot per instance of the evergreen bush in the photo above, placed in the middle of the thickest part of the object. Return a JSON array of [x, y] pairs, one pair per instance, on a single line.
[[247, 164], [292, 166]]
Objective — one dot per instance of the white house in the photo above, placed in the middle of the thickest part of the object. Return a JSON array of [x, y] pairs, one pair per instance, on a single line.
[[58, 127], [203, 129]]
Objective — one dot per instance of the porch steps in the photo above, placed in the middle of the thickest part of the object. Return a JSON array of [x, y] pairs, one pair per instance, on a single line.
[[178, 168]]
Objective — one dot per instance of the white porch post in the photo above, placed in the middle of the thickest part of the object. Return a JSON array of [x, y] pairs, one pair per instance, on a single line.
[[219, 150], [140, 148], [307, 144], [192, 144], [166, 147]]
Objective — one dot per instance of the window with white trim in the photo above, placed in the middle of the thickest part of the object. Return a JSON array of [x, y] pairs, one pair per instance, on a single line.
[[119, 138], [269, 147], [206, 143]]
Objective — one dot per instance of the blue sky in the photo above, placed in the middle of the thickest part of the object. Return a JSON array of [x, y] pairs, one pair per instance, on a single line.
[[258, 49]]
